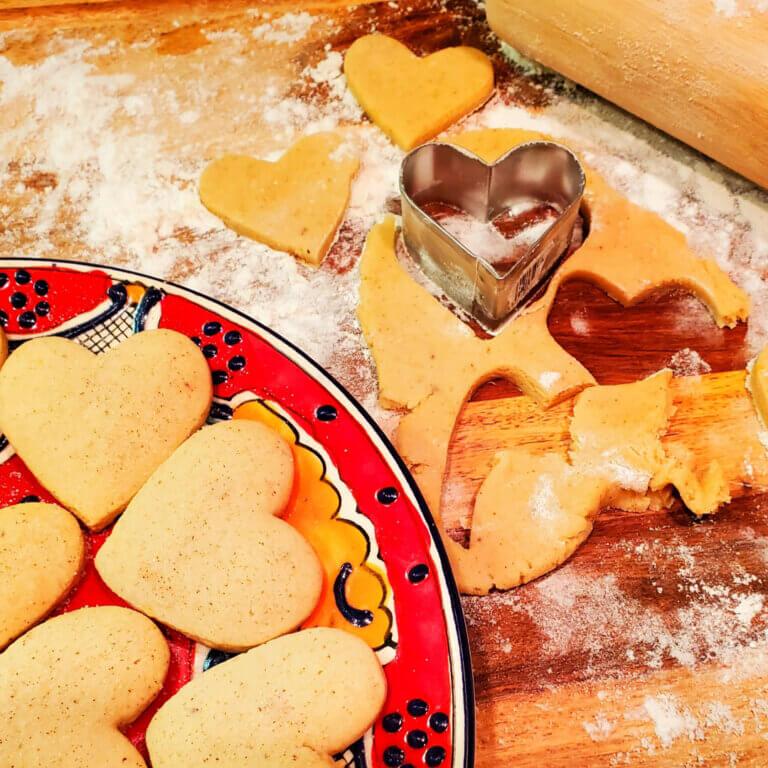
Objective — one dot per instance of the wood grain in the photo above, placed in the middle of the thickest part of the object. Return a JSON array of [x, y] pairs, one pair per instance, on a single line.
[[649, 56], [596, 642]]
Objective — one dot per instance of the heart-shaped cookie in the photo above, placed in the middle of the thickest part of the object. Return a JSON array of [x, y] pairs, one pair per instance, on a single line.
[[93, 428], [69, 685], [413, 99], [295, 204], [41, 554], [295, 701], [200, 549]]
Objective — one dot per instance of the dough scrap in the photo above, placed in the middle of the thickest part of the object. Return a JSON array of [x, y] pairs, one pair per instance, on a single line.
[[200, 547], [413, 99], [294, 701], [531, 514], [41, 556], [703, 489], [534, 510], [93, 428], [616, 432], [68, 685], [429, 362], [295, 204], [757, 384]]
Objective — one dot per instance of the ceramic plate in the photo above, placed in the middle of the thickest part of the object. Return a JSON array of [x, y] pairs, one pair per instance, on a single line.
[[387, 577]]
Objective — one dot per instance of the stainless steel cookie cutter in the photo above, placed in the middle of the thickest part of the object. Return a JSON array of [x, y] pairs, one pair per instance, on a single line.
[[442, 173]]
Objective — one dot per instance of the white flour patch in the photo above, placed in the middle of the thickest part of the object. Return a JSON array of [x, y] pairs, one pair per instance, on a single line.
[[747, 607], [688, 362], [719, 715], [730, 8], [600, 729], [671, 721], [288, 28], [548, 379], [544, 504], [480, 238], [579, 322]]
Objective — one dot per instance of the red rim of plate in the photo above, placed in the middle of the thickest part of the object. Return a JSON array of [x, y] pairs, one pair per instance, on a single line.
[[460, 664]]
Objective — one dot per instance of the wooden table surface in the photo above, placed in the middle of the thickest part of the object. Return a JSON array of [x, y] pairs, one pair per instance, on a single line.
[[648, 647]]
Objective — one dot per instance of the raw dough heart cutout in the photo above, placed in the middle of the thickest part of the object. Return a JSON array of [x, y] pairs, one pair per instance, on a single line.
[[295, 204], [93, 428], [69, 685], [413, 99], [200, 549], [295, 701], [41, 554]]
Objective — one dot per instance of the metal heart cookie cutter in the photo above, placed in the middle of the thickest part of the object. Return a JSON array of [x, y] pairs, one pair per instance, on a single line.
[[442, 175]]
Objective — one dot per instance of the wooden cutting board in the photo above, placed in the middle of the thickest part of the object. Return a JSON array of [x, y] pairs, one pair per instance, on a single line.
[[640, 650]]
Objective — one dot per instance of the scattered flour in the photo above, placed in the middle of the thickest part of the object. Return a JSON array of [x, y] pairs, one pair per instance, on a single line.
[[671, 720], [125, 197], [592, 618], [288, 28], [730, 8], [600, 729], [548, 379], [544, 504], [688, 362], [478, 237], [720, 715]]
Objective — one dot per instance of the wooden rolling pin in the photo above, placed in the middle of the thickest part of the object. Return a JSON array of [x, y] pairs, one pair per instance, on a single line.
[[697, 69]]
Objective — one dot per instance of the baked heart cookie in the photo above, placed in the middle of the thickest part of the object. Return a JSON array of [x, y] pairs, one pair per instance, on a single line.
[[413, 99], [295, 204], [93, 428], [294, 701], [200, 547], [3, 346], [41, 554], [70, 684]]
